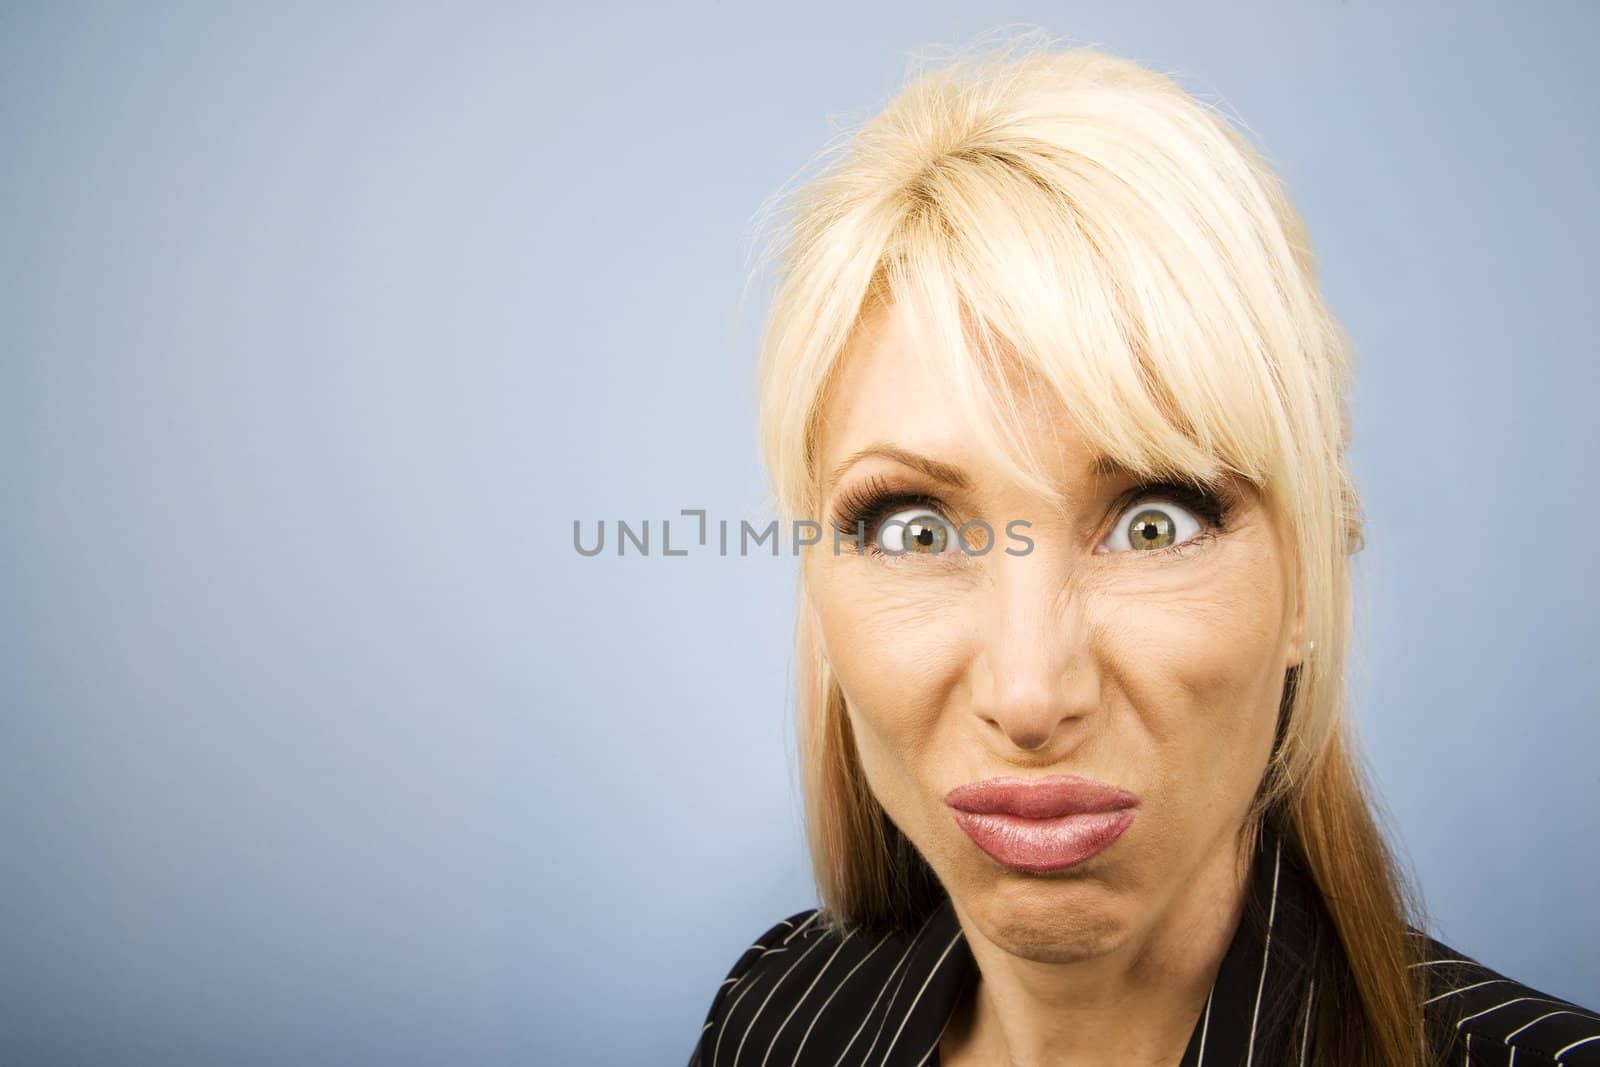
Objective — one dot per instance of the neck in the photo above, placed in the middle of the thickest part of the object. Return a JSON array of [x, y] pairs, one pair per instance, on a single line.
[[1137, 1003]]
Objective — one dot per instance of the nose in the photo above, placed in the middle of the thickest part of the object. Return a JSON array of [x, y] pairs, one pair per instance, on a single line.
[[1033, 681]]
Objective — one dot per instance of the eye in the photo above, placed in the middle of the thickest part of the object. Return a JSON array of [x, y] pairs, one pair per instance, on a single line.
[[1151, 525], [916, 532]]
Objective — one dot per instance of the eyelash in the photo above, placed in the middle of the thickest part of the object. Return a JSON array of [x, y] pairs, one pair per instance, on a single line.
[[874, 500]]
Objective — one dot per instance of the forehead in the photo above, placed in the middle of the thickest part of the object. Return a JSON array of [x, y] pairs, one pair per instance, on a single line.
[[889, 392]]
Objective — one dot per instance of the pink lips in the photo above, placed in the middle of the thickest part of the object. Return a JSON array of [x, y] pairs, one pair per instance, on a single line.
[[1042, 824]]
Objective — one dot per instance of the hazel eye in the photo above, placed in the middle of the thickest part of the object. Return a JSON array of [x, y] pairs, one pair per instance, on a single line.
[[1151, 525], [916, 532]]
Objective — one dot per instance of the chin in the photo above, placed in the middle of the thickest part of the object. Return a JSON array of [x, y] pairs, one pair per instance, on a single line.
[[1051, 919]]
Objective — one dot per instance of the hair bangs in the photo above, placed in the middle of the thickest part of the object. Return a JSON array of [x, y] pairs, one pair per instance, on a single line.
[[1030, 283]]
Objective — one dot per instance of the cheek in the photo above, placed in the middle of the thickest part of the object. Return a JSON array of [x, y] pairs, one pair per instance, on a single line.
[[1197, 667], [897, 647], [1204, 645]]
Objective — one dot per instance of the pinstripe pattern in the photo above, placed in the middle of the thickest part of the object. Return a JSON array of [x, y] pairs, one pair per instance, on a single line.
[[1205, 1028], [1266, 956], [805, 996]]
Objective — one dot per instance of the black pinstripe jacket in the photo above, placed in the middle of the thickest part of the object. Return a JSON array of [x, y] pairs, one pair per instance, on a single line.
[[802, 997]]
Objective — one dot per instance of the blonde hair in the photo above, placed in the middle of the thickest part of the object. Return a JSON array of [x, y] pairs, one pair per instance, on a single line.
[[1082, 217]]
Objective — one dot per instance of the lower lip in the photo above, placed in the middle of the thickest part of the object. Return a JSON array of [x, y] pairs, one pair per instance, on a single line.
[[1041, 845]]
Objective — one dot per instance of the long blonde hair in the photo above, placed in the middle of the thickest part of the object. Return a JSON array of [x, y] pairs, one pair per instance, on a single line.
[[1084, 216]]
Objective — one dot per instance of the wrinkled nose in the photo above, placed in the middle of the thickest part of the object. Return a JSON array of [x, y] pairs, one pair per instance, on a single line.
[[1032, 679]]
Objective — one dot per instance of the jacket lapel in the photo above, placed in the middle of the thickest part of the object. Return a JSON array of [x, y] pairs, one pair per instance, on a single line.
[[1256, 1013]]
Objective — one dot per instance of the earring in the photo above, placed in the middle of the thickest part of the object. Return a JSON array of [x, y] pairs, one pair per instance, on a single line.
[[1311, 646]]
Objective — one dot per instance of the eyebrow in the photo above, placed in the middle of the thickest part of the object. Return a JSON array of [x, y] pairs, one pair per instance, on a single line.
[[939, 472], [1106, 467], [1099, 467]]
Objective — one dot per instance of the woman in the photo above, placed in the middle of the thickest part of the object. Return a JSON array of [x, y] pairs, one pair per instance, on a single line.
[[1049, 364]]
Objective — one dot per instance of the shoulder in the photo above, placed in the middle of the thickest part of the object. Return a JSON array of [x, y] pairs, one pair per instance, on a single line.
[[777, 941], [801, 992], [1478, 1011]]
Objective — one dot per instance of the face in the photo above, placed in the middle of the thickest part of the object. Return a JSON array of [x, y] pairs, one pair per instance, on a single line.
[[1141, 642]]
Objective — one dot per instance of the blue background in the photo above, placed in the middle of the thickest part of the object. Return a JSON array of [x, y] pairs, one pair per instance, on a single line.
[[319, 326]]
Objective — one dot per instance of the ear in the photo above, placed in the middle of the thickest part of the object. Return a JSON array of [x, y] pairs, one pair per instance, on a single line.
[[809, 645], [1298, 646], [813, 676], [810, 648]]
